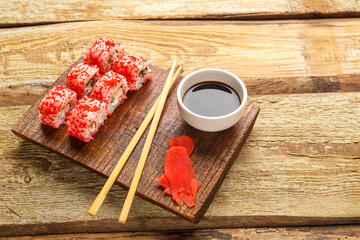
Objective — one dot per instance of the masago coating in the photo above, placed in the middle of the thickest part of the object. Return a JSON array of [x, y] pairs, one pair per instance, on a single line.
[[135, 69], [82, 78], [55, 105], [111, 89], [86, 118]]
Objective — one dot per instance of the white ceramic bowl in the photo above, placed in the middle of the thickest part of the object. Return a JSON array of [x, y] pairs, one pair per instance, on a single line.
[[211, 124]]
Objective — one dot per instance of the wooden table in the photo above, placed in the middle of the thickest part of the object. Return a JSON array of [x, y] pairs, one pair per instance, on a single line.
[[300, 166]]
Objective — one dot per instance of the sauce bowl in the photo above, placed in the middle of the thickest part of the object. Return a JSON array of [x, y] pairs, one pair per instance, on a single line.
[[205, 123]]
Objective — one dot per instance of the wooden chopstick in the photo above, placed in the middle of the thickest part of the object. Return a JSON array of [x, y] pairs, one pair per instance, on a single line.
[[114, 174], [130, 196]]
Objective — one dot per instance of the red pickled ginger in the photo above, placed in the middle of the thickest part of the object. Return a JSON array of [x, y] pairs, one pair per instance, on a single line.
[[179, 179], [183, 141]]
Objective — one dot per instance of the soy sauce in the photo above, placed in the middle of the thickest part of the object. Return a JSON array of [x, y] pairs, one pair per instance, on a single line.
[[211, 99]]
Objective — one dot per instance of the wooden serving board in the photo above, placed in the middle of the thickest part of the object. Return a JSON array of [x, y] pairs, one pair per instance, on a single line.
[[212, 158]]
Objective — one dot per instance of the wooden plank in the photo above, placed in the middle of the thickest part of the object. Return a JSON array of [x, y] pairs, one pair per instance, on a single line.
[[18, 12], [326, 232], [212, 158], [298, 167], [271, 57], [163, 224]]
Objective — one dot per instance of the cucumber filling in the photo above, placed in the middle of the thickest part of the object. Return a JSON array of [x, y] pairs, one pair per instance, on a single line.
[[111, 57], [116, 96], [92, 127], [142, 73], [112, 99]]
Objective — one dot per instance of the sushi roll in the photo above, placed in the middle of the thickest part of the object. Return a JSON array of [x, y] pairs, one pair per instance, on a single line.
[[86, 118], [111, 89], [55, 106], [136, 70], [105, 53], [82, 78]]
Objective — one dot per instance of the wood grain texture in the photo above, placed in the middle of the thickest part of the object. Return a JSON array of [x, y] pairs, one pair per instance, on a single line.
[[350, 232], [300, 166], [17, 12], [272, 57], [211, 160]]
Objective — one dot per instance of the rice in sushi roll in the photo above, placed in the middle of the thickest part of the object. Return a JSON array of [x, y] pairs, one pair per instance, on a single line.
[[86, 118], [136, 70], [55, 106], [82, 78], [111, 89], [105, 53]]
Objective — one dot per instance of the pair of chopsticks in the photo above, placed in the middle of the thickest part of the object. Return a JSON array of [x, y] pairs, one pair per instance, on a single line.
[[155, 114]]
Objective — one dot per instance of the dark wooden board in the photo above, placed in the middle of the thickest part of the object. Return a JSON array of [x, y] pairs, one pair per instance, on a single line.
[[212, 158]]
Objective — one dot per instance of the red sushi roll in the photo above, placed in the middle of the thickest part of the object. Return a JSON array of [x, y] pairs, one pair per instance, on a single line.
[[82, 78], [135, 69], [111, 89], [55, 106], [86, 118], [105, 53]]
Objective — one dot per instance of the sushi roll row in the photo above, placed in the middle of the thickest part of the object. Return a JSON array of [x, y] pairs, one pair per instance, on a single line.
[[94, 89], [83, 118], [109, 55]]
